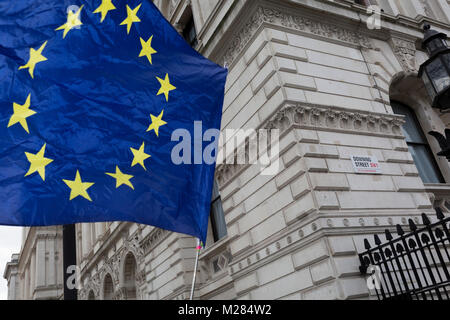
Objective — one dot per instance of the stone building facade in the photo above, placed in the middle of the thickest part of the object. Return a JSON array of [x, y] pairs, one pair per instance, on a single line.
[[335, 86], [36, 273]]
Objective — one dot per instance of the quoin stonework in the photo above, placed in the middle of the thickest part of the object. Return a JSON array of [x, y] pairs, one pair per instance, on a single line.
[[337, 83]]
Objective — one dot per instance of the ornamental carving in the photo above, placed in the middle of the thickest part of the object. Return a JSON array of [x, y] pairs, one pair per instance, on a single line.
[[314, 117], [405, 51], [153, 239], [288, 20], [133, 245]]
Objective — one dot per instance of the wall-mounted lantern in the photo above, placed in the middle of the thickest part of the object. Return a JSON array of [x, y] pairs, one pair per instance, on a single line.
[[435, 72]]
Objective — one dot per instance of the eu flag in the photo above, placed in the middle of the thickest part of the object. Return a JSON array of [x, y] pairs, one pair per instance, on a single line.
[[90, 94]]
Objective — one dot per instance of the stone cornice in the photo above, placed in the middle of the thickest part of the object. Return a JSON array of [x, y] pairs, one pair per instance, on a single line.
[[343, 24], [322, 118], [276, 16], [34, 234], [315, 227], [310, 116]]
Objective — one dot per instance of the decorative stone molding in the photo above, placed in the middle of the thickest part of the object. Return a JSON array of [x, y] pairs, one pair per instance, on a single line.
[[133, 245], [119, 294], [289, 20], [139, 248], [315, 117], [318, 117], [153, 239], [92, 285], [219, 262], [405, 51], [306, 233], [172, 6], [112, 266]]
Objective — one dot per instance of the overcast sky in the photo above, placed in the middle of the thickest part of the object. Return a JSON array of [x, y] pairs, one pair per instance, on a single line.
[[10, 241]]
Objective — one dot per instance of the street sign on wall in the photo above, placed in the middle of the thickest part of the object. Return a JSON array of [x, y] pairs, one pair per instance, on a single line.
[[366, 164]]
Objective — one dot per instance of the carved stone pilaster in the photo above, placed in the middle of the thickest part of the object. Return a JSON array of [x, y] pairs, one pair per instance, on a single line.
[[405, 51]]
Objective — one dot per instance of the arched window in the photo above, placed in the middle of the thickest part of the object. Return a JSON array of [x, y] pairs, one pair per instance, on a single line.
[[418, 145], [108, 288], [129, 277]]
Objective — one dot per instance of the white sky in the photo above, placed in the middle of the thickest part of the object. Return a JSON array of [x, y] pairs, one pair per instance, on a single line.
[[10, 242]]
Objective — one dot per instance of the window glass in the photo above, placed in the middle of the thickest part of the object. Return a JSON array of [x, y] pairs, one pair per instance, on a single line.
[[218, 224], [190, 34], [411, 128], [418, 145], [424, 163]]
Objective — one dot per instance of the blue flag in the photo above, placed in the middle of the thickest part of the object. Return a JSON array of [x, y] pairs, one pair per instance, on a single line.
[[90, 94]]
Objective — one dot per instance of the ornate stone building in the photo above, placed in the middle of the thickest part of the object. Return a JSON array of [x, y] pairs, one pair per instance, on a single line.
[[335, 86]]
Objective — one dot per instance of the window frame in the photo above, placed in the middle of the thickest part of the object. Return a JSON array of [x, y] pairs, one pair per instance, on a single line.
[[424, 142], [188, 29], [216, 198]]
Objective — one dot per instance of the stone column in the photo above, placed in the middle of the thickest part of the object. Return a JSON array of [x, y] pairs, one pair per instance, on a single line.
[[415, 8], [26, 292], [41, 262], [85, 239], [99, 230], [33, 274], [445, 6], [197, 14], [394, 7]]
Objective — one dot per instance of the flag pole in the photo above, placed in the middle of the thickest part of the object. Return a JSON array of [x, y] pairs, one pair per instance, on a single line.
[[195, 270], [69, 259]]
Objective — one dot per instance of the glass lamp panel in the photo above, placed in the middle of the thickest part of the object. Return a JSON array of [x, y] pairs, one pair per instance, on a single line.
[[435, 45], [446, 60], [438, 75], [430, 89]]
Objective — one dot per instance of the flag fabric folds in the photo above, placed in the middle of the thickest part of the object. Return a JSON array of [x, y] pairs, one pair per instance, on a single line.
[[90, 94]]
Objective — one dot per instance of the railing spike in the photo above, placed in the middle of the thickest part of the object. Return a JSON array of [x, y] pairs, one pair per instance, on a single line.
[[412, 225], [425, 219], [366, 244], [377, 240], [400, 230], [389, 236], [439, 213]]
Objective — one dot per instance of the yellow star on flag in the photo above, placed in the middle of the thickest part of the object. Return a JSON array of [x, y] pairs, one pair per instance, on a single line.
[[131, 17], [147, 49], [121, 178], [104, 8], [73, 21], [78, 187], [156, 123], [166, 86], [139, 156], [38, 162], [21, 113], [35, 57]]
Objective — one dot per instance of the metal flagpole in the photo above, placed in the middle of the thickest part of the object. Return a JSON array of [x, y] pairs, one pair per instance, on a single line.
[[195, 270], [69, 259]]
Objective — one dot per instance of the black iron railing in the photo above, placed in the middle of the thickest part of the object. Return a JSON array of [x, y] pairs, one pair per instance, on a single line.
[[413, 266]]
